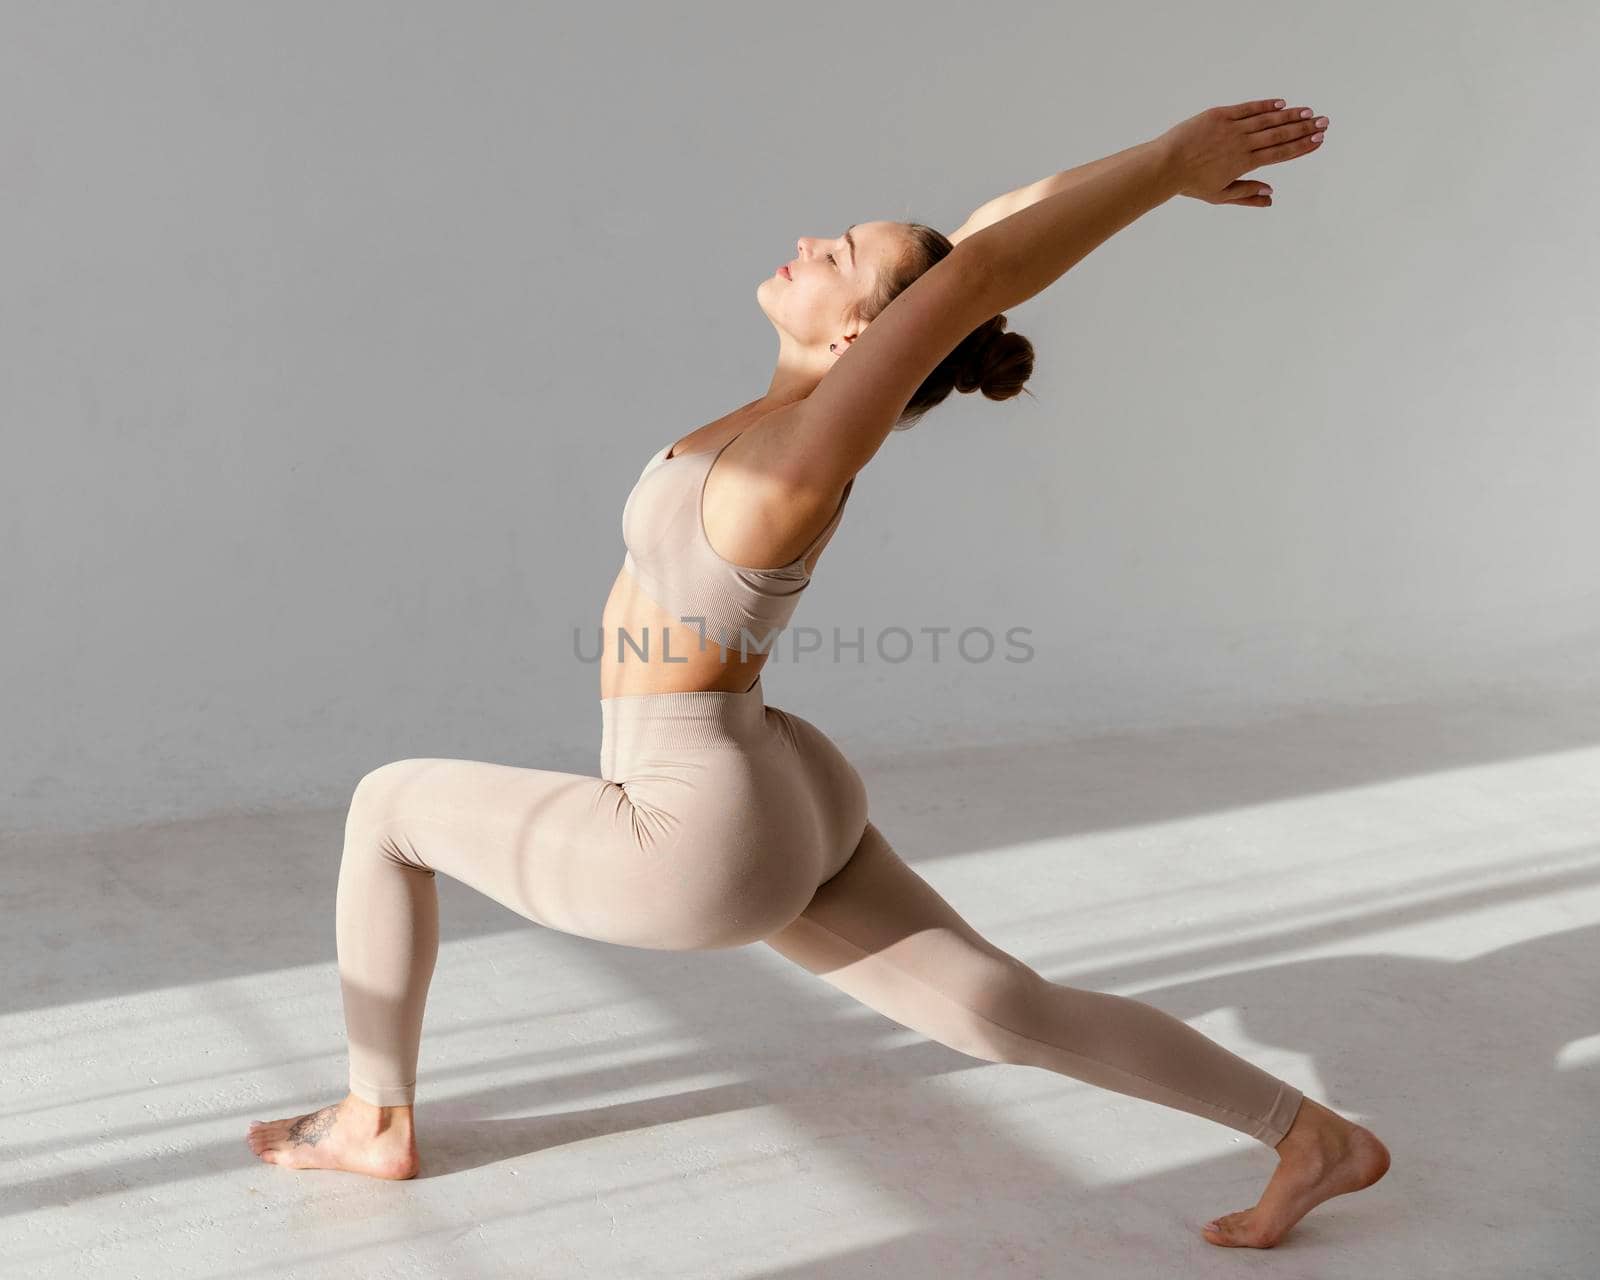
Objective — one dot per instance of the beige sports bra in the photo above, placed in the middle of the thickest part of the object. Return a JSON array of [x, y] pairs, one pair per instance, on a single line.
[[671, 558]]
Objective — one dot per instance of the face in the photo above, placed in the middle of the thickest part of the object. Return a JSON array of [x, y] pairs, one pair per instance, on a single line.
[[815, 296]]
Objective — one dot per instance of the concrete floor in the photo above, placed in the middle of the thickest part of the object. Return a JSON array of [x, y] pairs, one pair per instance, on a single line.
[[1396, 907]]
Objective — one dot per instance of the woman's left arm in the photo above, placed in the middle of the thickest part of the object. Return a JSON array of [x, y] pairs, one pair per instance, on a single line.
[[1249, 193]]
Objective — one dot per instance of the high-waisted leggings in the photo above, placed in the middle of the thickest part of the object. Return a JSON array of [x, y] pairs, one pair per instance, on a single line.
[[718, 821]]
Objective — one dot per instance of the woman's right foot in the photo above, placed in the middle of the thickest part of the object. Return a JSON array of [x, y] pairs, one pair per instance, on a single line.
[[353, 1135], [1323, 1155]]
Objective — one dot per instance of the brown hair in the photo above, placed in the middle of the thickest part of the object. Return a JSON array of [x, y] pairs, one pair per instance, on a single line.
[[988, 359]]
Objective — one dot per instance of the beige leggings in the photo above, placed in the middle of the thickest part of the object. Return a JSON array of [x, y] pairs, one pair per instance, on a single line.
[[719, 821]]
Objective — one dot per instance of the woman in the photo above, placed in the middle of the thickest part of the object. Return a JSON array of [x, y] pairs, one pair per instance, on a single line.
[[717, 820]]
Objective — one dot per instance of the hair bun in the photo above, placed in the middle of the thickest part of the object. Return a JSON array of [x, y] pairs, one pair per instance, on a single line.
[[997, 363]]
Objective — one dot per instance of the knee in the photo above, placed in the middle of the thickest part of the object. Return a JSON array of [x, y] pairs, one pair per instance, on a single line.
[[1004, 1005], [378, 793]]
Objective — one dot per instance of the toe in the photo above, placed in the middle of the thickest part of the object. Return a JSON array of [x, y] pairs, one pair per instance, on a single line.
[[1230, 1228], [1247, 1231]]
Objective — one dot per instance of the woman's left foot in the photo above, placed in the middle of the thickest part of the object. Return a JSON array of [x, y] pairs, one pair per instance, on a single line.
[[353, 1135], [1323, 1155]]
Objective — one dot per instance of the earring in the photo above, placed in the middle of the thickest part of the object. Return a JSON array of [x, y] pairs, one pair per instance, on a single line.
[[832, 346]]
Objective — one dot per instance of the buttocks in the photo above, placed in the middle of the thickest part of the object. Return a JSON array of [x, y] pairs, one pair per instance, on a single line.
[[734, 839]]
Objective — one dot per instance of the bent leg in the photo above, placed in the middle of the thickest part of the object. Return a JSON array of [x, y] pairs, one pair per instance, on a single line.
[[879, 932], [546, 844]]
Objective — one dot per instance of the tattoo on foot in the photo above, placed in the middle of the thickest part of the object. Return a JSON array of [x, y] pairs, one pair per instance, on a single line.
[[312, 1129]]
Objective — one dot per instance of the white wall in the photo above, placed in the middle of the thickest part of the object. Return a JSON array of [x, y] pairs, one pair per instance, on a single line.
[[335, 336]]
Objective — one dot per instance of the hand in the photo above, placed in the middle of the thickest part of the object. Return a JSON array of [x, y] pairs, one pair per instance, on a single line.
[[1209, 151]]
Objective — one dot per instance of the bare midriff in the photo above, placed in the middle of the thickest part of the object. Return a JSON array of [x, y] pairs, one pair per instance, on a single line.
[[648, 650]]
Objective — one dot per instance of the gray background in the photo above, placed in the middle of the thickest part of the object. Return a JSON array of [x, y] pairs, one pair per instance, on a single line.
[[335, 336]]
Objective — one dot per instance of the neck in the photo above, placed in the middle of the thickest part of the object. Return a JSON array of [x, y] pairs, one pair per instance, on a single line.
[[797, 374]]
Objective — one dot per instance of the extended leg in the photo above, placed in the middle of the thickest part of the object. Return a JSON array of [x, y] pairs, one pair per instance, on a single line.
[[880, 932]]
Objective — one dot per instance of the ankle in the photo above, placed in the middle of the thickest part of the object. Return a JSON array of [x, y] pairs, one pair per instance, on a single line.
[[378, 1119], [1316, 1127]]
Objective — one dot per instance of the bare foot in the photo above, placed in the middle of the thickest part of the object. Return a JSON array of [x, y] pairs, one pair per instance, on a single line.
[[1323, 1155], [353, 1135]]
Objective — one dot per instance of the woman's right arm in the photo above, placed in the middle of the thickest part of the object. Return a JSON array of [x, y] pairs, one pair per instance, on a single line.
[[1025, 252]]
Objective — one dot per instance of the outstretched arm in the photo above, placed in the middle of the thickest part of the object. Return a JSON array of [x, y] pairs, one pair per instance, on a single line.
[[1250, 194], [1204, 157], [853, 409]]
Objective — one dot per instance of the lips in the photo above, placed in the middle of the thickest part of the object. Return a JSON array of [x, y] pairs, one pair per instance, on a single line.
[[784, 272]]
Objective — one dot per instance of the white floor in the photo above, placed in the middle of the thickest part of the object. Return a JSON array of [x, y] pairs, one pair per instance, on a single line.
[[1398, 908]]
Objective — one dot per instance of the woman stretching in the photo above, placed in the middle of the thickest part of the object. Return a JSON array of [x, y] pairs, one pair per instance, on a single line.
[[718, 820]]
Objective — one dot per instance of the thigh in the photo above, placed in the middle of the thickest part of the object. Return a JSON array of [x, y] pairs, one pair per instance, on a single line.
[[693, 854], [878, 926], [560, 849]]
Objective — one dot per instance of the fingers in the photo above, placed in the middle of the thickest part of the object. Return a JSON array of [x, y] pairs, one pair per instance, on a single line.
[[1272, 118], [1244, 191], [1240, 110], [1287, 150], [1282, 133]]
